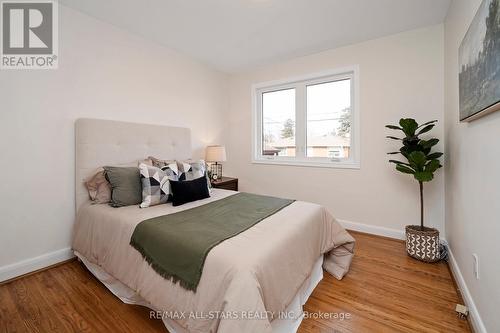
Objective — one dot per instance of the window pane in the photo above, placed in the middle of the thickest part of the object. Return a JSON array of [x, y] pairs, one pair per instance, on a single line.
[[278, 125], [329, 119]]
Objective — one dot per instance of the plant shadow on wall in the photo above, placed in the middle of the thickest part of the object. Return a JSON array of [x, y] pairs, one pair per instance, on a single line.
[[421, 162]]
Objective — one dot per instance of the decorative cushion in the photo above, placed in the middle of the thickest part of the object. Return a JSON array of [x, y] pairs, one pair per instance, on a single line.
[[189, 190], [155, 183], [190, 170], [126, 186], [99, 188], [146, 161], [159, 163]]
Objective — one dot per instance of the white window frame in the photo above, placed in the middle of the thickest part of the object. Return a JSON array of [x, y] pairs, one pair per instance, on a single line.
[[300, 84]]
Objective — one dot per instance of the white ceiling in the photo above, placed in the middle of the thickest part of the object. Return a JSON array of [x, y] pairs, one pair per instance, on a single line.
[[233, 35]]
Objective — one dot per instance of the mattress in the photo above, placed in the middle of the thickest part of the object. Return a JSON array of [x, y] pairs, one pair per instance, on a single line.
[[288, 322], [248, 281]]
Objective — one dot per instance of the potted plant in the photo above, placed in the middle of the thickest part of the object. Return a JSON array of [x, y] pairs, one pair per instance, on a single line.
[[421, 162]]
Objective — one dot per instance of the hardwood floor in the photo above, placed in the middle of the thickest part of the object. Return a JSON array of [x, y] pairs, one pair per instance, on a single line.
[[385, 291]]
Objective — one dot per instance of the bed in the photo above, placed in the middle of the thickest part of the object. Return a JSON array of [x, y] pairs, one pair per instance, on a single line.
[[256, 281]]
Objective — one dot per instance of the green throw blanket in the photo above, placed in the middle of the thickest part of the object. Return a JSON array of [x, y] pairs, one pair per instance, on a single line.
[[176, 245]]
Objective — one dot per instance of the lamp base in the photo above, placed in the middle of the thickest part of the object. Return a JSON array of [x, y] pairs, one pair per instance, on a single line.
[[216, 171]]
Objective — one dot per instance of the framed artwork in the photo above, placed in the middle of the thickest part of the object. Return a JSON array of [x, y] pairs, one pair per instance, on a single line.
[[479, 60]]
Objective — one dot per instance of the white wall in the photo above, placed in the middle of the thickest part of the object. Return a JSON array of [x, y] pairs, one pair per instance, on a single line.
[[400, 76], [105, 73], [472, 179]]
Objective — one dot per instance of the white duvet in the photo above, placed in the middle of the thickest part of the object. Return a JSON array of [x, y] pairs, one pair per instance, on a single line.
[[246, 279]]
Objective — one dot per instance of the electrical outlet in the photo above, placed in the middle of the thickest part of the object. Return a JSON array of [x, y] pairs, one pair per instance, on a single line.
[[462, 311], [475, 267]]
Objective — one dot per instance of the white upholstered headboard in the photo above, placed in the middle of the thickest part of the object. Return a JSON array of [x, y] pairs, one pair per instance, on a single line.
[[107, 142]]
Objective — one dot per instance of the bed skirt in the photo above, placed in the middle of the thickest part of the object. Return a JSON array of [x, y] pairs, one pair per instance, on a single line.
[[279, 325]]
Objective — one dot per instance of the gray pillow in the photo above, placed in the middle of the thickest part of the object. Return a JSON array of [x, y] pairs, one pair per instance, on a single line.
[[126, 188]]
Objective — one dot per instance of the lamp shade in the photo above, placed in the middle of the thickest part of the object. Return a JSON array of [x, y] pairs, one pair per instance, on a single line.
[[215, 154]]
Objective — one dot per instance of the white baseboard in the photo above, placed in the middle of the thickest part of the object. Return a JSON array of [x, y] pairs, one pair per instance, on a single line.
[[372, 229], [475, 318], [33, 264]]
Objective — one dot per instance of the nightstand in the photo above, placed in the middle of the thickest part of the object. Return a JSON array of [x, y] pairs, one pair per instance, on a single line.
[[226, 183]]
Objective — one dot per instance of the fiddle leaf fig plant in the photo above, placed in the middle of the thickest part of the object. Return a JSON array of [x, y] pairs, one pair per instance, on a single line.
[[418, 158]]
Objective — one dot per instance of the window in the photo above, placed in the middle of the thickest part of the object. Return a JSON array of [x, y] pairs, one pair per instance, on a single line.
[[278, 122], [311, 120]]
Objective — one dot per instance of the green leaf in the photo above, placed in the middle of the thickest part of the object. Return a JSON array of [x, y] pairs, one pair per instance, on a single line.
[[434, 156], [426, 129], [393, 137], [417, 160], [407, 150], [393, 127], [398, 162], [411, 140], [429, 143], [427, 123], [409, 126], [404, 169], [432, 166], [423, 176]]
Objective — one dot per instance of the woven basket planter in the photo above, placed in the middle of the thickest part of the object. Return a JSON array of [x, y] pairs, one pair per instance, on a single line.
[[422, 244]]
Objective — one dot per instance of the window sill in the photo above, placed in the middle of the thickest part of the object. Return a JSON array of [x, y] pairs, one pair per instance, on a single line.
[[314, 164]]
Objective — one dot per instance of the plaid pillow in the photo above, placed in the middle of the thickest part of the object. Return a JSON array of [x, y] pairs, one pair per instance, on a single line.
[[155, 183], [190, 170]]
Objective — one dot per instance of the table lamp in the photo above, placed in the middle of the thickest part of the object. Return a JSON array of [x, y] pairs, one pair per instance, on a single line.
[[216, 154]]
